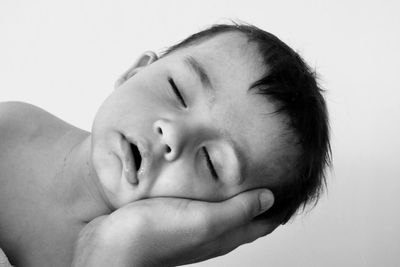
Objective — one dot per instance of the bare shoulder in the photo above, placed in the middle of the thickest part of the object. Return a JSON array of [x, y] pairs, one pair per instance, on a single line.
[[18, 119], [25, 123], [14, 120], [14, 113]]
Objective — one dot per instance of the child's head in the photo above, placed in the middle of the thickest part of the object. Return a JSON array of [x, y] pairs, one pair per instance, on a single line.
[[229, 109]]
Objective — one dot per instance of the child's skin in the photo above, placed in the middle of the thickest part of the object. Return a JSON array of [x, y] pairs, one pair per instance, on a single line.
[[54, 178]]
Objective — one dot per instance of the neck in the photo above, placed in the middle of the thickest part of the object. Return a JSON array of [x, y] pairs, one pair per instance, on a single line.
[[84, 196]]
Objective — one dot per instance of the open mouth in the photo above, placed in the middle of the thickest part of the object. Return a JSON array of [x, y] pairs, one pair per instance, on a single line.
[[136, 156]]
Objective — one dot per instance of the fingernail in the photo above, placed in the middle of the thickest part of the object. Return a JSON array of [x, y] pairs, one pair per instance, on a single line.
[[266, 200]]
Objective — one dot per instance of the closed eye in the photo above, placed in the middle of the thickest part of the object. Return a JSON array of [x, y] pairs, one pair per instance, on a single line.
[[177, 92], [209, 163]]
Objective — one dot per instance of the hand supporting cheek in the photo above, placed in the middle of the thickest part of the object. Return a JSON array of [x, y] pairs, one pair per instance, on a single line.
[[172, 231]]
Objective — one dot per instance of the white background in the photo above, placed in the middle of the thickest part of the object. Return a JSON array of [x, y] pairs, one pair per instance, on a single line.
[[65, 55]]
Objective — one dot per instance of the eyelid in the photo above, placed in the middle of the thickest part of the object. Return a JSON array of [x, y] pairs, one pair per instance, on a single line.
[[209, 163], [177, 92]]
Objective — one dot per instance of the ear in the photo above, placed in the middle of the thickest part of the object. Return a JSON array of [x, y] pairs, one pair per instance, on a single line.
[[144, 60]]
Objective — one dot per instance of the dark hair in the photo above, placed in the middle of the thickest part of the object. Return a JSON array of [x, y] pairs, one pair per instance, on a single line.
[[291, 85]]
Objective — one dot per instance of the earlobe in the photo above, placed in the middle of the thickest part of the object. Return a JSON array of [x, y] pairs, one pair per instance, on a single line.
[[144, 60]]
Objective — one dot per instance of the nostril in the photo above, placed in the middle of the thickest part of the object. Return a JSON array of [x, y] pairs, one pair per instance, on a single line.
[[168, 149], [159, 130]]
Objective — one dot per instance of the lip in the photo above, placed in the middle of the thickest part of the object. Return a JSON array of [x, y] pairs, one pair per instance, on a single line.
[[134, 176]]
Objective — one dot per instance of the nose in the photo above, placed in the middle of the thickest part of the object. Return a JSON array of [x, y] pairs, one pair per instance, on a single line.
[[170, 138]]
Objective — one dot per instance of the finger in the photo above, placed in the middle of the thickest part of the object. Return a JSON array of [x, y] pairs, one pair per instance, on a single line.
[[233, 239], [221, 217], [245, 234]]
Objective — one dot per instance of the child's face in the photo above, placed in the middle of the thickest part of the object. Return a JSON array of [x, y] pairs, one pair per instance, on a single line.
[[232, 123]]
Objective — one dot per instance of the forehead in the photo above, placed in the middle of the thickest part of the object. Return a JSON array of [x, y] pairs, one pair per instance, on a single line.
[[233, 65], [227, 55]]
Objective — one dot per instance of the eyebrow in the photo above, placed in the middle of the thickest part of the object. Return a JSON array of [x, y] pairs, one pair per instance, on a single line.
[[199, 70]]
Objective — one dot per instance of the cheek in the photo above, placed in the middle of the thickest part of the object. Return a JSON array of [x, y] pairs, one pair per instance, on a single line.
[[180, 181], [140, 108], [174, 182]]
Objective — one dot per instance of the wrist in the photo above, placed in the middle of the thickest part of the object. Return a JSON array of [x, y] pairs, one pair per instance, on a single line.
[[120, 242], [105, 243]]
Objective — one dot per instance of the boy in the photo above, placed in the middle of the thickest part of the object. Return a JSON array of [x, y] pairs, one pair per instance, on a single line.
[[229, 109]]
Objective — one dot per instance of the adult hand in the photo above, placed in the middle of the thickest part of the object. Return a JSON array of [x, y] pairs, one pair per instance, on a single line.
[[172, 231]]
